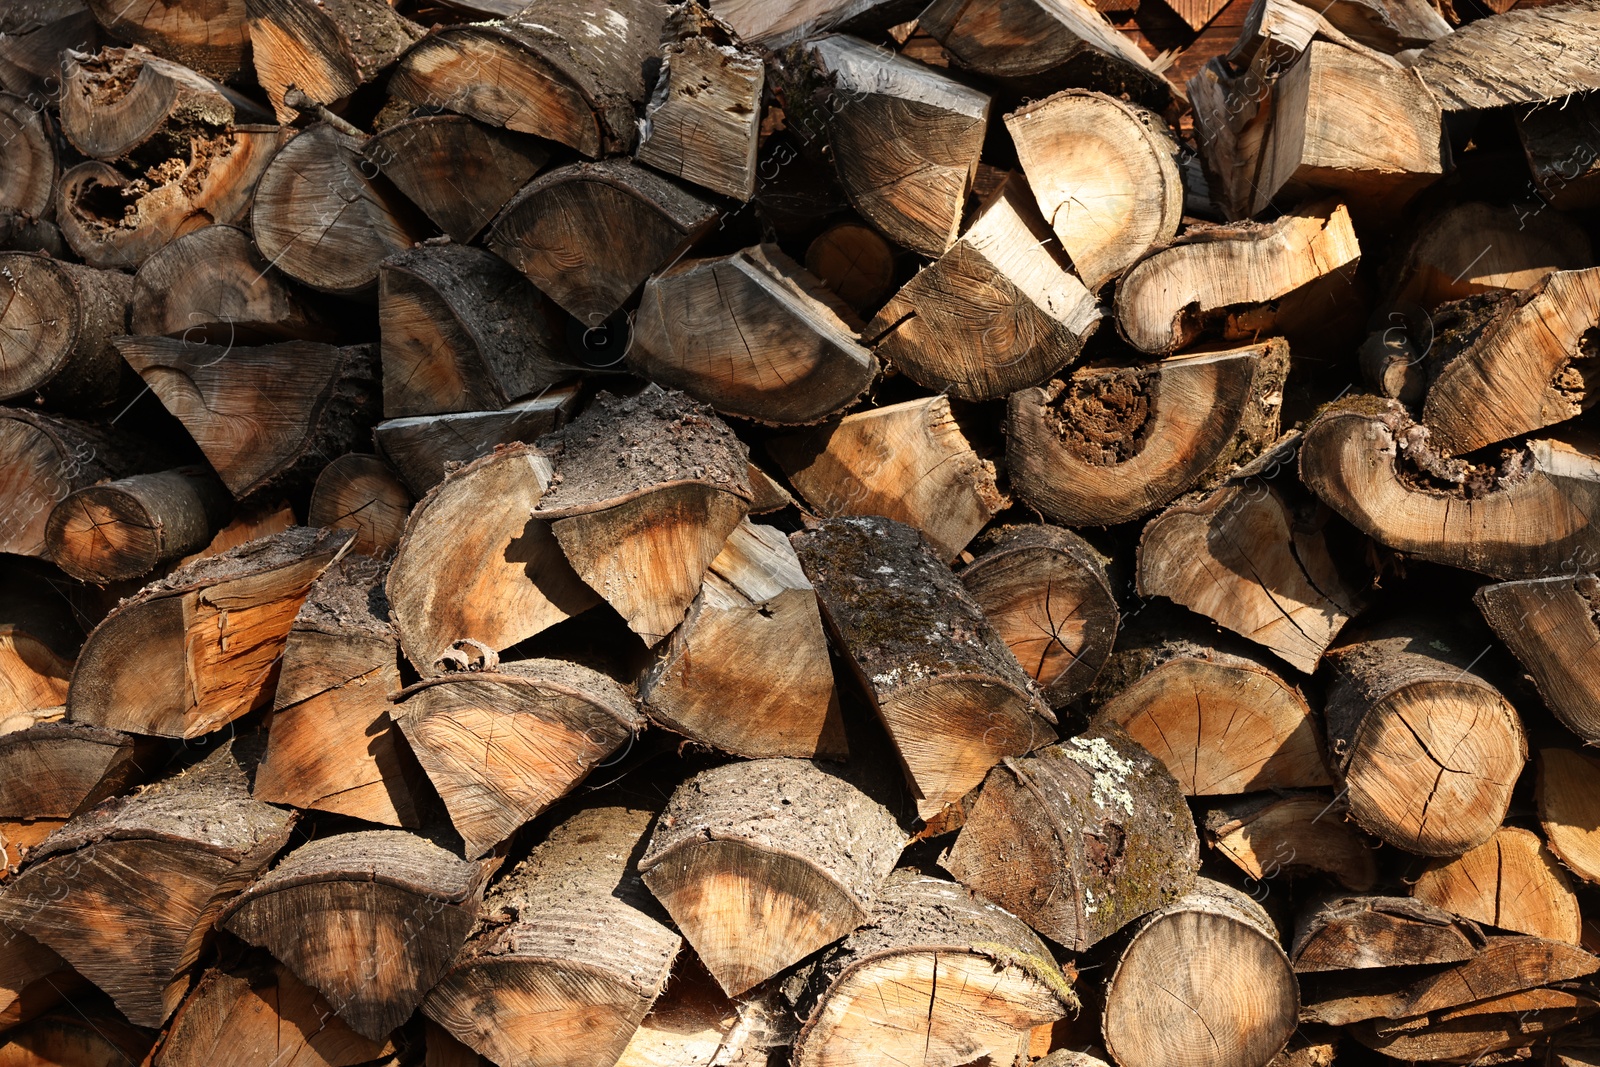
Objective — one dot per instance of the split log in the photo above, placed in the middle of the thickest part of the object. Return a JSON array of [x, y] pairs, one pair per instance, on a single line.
[[1264, 836], [1521, 57], [57, 321], [756, 618], [370, 919], [121, 102], [209, 36], [1389, 26], [1549, 625], [261, 1016], [1568, 794], [1511, 882], [1104, 174], [253, 520], [568, 954], [422, 449], [752, 334], [458, 171], [1427, 749], [201, 647], [332, 746], [501, 746], [111, 221], [1508, 1026], [322, 217], [996, 313], [1555, 138], [31, 42], [1112, 443], [703, 120], [762, 863], [28, 183], [40, 634], [1476, 247], [1247, 558], [111, 531], [554, 69], [646, 491], [327, 49], [948, 690], [462, 331], [1226, 280], [98, 1039], [1365, 933], [1523, 517], [266, 417], [1522, 367], [854, 262], [1201, 983], [1079, 839], [775, 25], [56, 770], [910, 462], [33, 979], [128, 891], [589, 234], [693, 1024], [359, 492], [939, 978], [211, 285], [472, 563], [1221, 720], [916, 192], [1046, 592]]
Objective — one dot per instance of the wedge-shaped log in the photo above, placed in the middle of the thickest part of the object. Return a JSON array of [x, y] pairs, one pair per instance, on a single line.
[[1520, 57], [332, 746], [754, 630], [35, 37], [119, 102], [1549, 625], [1079, 839], [1427, 749], [910, 462], [752, 334], [764, 862], [996, 313], [267, 417], [703, 121], [421, 448], [1446, 259], [361, 492], [370, 919], [501, 746], [457, 170], [33, 979], [1112, 443], [915, 193], [940, 978], [40, 634], [1230, 997], [113, 531], [462, 331], [1526, 517], [1365, 933], [196, 650], [33, 163], [569, 953], [949, 691], [1105, 176], [1046, 592], [57, 321], [1511, 881], [1226, 280], [589, 234], [1568, 794], [327, 49], [647, 489], [1266, 835], [55, 769], [556, 69], [209, 35], [128, 892]]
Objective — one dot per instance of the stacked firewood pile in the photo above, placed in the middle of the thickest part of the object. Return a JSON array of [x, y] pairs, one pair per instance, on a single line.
[[816, 532]]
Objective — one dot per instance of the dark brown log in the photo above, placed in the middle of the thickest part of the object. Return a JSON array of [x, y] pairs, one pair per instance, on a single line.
[[207, 35], [939, 978], [1201, 983], [327, 49], [266, 417], [1426, 749], [775, 24], [113, 531], [854, 262], [462, 331], [360, 492], [1079, 839], [69, 1036], [1525, 516], [57, 322], [555, 69], [33, 979], [371, 920], [56, 770], [1511, 882], [1265, 836], [24, 233], [910, 462], [421, 449], [40, 634], [127, 892], [32, 41], [589, 234], [1112, 443], [1364, 933], [1476, 247], [1520, 57], [1497, 1029], [121, 102], [1568, 794], [501, 746], [754, 630], [332, 746], [569, 953], [201, 647], [752, 334], [1555, 138], [458, 171], [1549, 625], [28, 182], [950, 693]]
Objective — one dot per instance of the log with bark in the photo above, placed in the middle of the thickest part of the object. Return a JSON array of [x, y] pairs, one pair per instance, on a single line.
[[1371, 932], [326, 49], [33, 164], [57, 324], [1476, 247], [1568, 795], [1521, 57], [55, 769], [126, 528], [360, 492], [211, 36], [1550, 625]]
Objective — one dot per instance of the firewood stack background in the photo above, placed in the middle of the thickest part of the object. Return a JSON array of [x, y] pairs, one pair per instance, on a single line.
[[816, 532]]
